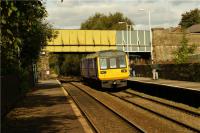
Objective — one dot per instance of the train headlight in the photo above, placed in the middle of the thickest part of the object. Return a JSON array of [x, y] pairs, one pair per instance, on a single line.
[[103, 72], [123, 70]]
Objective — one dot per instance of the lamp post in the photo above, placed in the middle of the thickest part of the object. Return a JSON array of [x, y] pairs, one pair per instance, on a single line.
[[127, 28], [150, 32]]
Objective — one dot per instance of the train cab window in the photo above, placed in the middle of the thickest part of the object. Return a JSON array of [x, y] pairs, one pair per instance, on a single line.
[[103, 63], [122, 62], [113, 63]]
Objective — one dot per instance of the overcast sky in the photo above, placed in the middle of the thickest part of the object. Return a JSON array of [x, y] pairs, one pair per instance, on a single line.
[[69, 14]]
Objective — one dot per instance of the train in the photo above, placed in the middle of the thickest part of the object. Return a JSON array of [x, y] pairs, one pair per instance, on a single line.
[[106, 69]]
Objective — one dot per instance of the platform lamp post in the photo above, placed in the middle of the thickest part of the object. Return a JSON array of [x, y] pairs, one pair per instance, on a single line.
[[127, 28], [150, 32]]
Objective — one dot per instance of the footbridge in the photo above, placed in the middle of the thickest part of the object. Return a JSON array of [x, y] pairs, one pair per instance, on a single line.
[[96, 40]]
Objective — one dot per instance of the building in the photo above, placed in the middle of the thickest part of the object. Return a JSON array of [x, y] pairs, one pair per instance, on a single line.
[[194, 29]]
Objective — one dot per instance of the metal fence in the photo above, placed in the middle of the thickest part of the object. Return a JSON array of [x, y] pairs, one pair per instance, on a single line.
[[133, 41]]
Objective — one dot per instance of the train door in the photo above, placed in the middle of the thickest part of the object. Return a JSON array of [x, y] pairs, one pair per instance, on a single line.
[[95, 68]]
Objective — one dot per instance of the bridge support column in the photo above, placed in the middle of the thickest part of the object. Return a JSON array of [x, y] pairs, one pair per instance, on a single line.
[[43, 66]]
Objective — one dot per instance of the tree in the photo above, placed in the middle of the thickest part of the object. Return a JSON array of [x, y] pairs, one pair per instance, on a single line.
[[182, 53], [190, 18], [24, 32], [102, 22]]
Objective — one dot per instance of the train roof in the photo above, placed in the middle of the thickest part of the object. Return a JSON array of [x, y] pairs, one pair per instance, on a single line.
[[106, 53]]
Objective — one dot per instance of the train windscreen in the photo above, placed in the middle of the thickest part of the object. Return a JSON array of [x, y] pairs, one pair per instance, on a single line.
[[113, 63], [122, 62], [103, 63]]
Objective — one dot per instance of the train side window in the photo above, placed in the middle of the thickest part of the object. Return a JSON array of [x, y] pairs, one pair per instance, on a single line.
[[95, 62], [113, 63], [122, 62], [83, 63], [90, 63], [103, 63]]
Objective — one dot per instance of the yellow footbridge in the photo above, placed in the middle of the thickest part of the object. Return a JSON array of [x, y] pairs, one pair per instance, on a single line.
[[82, 41], [97, 40]]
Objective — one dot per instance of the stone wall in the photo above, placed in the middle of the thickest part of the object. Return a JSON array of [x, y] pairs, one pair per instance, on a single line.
[[187, 72], [166, 42]]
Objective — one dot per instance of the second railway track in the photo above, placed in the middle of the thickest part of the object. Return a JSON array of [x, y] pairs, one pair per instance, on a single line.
[[186, 118], [171, 104]]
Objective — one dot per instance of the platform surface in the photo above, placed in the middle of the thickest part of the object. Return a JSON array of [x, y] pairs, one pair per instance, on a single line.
[[44, 109], [172, 83]]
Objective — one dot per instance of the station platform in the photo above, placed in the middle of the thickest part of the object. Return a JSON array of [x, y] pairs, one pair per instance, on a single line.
[[46, 108], [195, 86]]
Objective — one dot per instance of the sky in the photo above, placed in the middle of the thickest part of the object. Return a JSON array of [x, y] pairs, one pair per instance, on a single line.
[[69, 14]]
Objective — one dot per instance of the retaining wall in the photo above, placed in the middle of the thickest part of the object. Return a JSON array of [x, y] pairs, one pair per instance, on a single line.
[[186, 72], [165, 43]]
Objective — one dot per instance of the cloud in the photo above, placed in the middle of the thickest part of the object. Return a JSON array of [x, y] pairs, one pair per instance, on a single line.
[[71, 13], [182, 2]]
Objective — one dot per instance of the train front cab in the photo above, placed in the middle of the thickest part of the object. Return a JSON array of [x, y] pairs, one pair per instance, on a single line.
[[113, 71]]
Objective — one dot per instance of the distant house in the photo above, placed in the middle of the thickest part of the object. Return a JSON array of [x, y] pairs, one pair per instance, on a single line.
[[176, 29], [194, 28]]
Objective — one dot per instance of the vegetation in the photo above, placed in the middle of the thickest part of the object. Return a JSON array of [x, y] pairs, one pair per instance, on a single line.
[[23, 33], [182, 53], [66, 64], [106, 22], [190, 18]]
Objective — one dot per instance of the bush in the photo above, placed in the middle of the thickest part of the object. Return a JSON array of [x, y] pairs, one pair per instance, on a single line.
[[24, 80]]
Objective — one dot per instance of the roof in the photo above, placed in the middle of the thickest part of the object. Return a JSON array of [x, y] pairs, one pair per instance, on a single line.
[[106, 53], [176, 29], [194, 28]]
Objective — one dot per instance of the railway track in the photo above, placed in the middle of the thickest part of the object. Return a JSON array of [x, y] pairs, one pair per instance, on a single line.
[[181, 116], [130, 116], [170, 104], [100, 117]]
